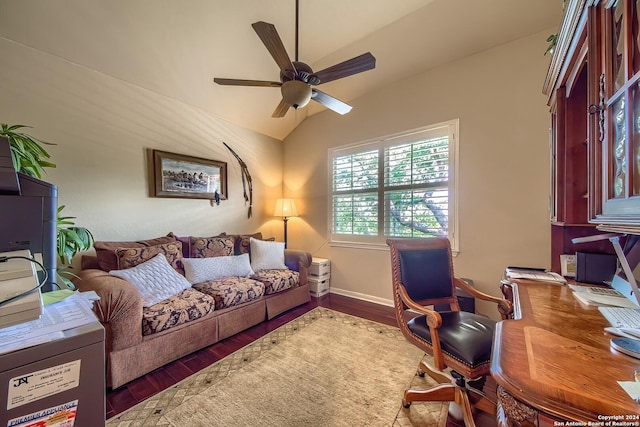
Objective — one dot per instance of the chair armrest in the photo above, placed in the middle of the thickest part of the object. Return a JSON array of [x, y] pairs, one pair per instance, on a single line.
[[299, 261], [433, 317], [119, 308], [434, 321], [504, 306]]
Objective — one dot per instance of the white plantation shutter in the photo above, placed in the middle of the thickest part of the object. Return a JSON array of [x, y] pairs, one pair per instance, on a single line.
[[400, 186], [355, 186]]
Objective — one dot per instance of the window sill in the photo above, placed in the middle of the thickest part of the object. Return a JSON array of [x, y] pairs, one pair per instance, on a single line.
[[359, 245]]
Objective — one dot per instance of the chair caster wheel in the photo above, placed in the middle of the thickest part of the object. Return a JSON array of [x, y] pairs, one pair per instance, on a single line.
[[405, 404], [420, 373]]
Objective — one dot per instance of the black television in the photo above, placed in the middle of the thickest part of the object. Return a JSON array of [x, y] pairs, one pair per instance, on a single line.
[[28, 211]]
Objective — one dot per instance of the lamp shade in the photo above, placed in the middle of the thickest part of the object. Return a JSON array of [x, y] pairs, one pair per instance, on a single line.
[[285, 208]]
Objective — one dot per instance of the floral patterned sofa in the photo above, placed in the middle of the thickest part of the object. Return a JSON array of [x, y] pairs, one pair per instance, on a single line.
[[163, 298]]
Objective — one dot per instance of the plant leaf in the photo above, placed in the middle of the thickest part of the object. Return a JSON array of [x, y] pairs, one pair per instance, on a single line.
[[27, 152]]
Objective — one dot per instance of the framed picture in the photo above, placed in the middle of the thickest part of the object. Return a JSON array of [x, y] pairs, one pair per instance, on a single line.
[[177, 175], [568, 265]]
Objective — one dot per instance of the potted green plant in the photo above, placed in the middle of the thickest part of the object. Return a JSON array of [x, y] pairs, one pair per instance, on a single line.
[[70, 241], [30, 158], [27, 153]]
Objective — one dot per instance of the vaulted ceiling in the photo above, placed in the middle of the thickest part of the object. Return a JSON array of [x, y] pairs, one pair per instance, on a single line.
[[175, 48]]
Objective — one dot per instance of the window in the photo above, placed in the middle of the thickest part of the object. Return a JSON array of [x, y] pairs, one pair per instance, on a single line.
[[398, 186]]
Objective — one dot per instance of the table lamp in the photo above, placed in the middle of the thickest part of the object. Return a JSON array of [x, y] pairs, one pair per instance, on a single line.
[[285, 208]]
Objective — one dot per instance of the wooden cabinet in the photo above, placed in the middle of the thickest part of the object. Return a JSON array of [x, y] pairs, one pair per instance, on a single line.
[[593, 89]]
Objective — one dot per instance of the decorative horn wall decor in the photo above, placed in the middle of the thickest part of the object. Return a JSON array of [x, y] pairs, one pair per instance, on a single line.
[[246, 179]]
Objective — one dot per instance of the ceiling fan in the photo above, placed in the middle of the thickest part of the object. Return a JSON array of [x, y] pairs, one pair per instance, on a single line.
[[297, 78]]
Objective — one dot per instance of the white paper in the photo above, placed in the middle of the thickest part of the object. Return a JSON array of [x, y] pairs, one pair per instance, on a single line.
[[34, 386], [547, 276], [632, 388], [69, 313]]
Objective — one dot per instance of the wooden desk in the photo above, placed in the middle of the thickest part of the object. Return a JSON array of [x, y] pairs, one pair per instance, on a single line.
[[553, 362]]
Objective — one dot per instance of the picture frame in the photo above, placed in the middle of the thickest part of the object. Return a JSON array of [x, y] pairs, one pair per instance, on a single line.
[[568, 265], [182, 176]]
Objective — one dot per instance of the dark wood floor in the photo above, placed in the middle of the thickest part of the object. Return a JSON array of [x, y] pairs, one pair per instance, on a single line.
[[142, 388]]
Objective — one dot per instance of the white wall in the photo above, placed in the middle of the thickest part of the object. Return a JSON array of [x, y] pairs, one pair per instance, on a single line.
[[503, 175], [103, 128]]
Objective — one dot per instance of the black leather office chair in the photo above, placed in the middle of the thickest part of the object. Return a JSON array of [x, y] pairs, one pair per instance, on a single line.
[[422, 273]]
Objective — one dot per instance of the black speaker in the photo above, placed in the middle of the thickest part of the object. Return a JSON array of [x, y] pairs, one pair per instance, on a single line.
[[595, 268]]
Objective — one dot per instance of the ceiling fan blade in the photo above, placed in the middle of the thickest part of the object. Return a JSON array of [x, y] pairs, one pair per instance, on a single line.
[[356, 65], [240, 82], [281, 109], [330, 102], [269, 36]]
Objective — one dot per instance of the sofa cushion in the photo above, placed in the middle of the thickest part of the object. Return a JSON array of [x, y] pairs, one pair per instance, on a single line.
[[198, 270], [130, 257], [155, 279], [182, 308], [105, 251], [267, 255], [242, 242], [277, 280], [231, 291], [186, 243], [203, 247]]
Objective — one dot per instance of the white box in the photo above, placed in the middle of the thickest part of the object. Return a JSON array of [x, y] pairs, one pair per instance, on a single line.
[[318, 287], [320, 267]]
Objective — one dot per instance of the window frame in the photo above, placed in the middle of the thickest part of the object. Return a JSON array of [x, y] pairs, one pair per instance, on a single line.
[[449, 128]]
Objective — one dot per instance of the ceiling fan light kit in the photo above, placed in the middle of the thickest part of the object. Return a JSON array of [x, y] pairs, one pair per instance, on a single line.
[[296, 78], [296, 93]]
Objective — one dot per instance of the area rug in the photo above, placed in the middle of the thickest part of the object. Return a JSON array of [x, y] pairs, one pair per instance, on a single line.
[[324, 368]]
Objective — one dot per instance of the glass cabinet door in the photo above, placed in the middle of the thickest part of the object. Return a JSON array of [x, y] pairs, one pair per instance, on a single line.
[[621, 148]]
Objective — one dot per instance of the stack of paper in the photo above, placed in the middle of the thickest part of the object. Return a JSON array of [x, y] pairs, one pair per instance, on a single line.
[[533, 274], [69, 313], [18, 276]]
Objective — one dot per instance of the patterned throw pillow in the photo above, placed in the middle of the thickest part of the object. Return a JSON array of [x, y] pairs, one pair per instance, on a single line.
[[205, 247], [130, 257], [198, 270], [243, 242], [267, 255], [186, 243], [154, 279], [106, 251]]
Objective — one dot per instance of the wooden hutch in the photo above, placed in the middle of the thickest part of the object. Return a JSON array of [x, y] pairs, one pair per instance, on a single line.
[[552, 363], [593, 89]]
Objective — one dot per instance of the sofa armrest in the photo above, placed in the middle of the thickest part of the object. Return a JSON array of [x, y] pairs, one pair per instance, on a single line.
[[119, 308], [298, 261]]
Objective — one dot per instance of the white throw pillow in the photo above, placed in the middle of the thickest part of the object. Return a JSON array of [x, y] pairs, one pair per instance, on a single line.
[[267, 255], [155, 279], [200, 270]]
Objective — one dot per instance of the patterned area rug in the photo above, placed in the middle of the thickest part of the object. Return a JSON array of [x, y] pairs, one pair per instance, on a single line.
[[324, 368]]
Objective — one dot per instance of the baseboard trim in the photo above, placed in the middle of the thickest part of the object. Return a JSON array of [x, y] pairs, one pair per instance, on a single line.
[[360, 296]]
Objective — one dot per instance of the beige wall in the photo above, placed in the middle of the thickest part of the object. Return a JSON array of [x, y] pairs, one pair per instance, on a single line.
[[503, 175], [103, 128]]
